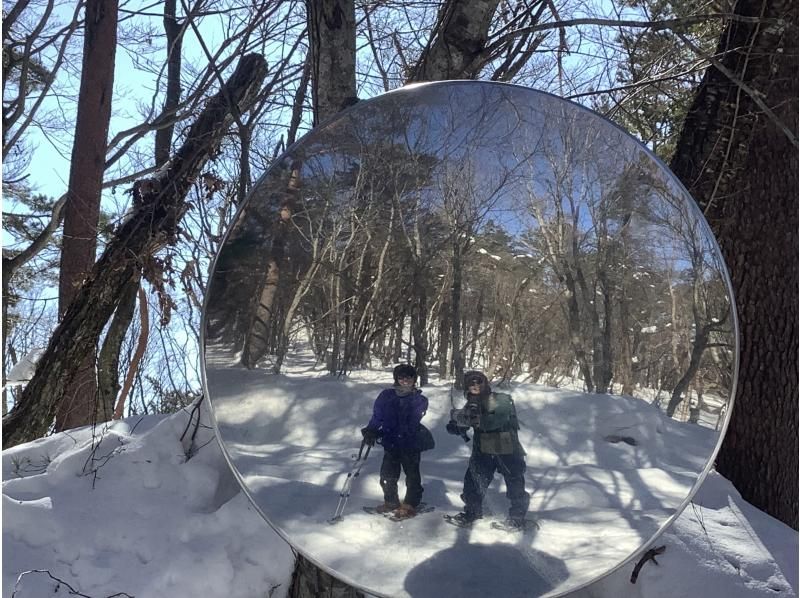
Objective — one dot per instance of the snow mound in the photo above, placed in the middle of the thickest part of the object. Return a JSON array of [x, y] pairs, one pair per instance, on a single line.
[[124, 510]]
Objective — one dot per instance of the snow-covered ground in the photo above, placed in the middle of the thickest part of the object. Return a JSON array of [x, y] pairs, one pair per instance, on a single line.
[[598, 497], [132, 514], [136, 516]]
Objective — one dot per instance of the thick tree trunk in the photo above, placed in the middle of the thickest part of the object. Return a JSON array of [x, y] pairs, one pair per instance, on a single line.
[[419, 336], [741, 166], [575, 333], [397, 339], [332, 44], [160, 204], [256, 342], [108, 384], [331, 27], [457, 41], [82, 211]]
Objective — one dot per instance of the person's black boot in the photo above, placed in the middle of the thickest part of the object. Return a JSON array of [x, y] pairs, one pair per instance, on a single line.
[[462, 519]]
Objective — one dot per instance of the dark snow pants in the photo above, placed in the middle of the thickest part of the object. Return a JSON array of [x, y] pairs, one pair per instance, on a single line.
[[393, 462], [480, 474]]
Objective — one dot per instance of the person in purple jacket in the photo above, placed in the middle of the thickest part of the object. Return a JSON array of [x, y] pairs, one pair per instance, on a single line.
[[395, 424]]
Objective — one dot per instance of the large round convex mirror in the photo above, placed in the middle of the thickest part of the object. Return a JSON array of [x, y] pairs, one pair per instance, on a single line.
[[464, 226]]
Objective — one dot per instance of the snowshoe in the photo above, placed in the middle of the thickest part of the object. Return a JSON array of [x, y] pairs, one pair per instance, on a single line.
[[513, 524], [404, 511], [461, 519], [398, 513], [407, 511], [382, 509]]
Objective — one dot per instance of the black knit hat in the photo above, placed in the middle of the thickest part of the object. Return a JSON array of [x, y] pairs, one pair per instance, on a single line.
[[405, 370]]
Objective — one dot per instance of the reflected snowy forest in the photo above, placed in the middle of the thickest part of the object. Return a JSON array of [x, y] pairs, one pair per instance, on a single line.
[[466, 226], [463, 227], [458, 226]]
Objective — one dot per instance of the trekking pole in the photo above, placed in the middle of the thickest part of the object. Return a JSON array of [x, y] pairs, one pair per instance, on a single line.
[[348, 482]]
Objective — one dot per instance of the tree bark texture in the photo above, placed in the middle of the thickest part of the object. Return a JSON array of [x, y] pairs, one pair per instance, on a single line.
[[159, 205], [457, 41], [741, 167], [332, 44], [309, 581], [82, 210]]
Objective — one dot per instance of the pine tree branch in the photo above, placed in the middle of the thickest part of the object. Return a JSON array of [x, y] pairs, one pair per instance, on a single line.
[[12, 264]]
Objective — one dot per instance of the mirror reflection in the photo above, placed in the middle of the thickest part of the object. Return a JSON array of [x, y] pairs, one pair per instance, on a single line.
[[517, 275]]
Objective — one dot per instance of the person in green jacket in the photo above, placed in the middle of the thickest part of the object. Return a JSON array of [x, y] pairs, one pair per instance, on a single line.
[[495, 448]]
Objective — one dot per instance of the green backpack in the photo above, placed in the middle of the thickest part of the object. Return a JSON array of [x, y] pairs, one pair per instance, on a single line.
[[498, 430], [499, 413]]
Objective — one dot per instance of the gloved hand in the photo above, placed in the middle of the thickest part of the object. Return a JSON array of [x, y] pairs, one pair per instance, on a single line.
[[452, 428], [370, 435]]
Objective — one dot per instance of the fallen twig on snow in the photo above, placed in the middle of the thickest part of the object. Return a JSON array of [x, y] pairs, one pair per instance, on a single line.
[[650, 555]]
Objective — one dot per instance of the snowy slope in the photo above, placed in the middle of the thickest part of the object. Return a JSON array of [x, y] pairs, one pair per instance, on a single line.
[[133, 515]]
